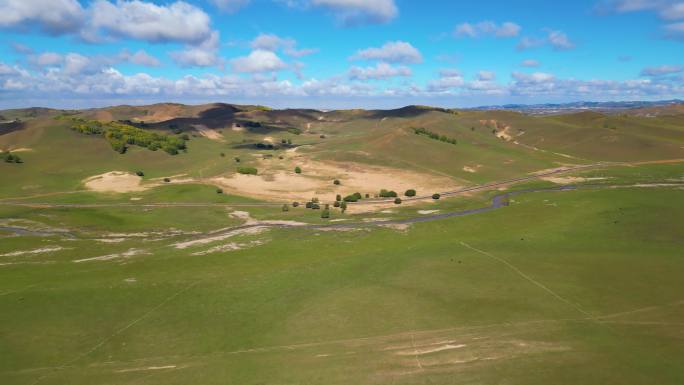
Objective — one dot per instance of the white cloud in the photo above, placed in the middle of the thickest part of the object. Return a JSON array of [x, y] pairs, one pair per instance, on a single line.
[[559, 40], [391, 52], [662, 70], [449, 79], [379, 71], [530, 63], [144, 59], [271, 42], [230, 6], [355, 12], [258, 61], [53, 16], [202, 55], [177, 22], [486, 75], [47, 59], [487, 28], [668, 10]]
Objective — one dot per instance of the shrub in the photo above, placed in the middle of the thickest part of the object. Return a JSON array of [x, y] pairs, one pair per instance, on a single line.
[[247, 170], [295, 204], [434, 135], [410, 193], [436, 196], [358, 195], [219, 191], [237, 160], [338, 197], [286, 208], [336, 182], [11, 158], [325, 214], [322, 136], [222, 155], [367, 195], [289, 141], [343, 206], [387, 194], [336, 204], [315, 206], [350, 198], [298, 170], [397, 201], [293, 130], [309, 205], [167, 180], [139, 173], [283, 141]]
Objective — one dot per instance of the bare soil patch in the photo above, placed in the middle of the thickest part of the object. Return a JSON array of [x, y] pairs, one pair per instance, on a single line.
[[115, 181], [208, 132]]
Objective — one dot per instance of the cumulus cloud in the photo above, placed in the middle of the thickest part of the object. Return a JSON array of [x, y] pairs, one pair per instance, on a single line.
[[559, 40], [356, 12], [530, 63], [142, 58], [449, 79], [486, 75], [271, 42], [52, 16], [177, 22], [487, 28], [257, 61], [230, 6], [662, 70], [104, 20], [202, 55], [671, 11], [391, 52], [379, 71]]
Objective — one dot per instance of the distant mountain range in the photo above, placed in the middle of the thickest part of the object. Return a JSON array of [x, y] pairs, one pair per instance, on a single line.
[[552, 108]]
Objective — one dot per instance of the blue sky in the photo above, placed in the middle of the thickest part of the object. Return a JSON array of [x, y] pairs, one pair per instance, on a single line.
[[338, 53]]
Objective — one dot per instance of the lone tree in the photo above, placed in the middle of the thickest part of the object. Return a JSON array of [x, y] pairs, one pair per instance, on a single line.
[[336, 182], [219, 191], [343, 206], [139, 173], [298, 170], [338, 197], [295, 204], [397, 201], [410, 193], [436, 196], [336, 204]]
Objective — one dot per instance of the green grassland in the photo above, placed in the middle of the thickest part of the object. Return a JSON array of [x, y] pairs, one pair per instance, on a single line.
[[178, 284]]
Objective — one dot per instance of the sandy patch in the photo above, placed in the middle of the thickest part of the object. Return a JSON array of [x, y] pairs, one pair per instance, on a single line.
[[316, 180], [269, 139], [203, 241], [48, 249], [208, 132], [147, 368], [418, 352], [17, 149], [136, 198], [232, 246], [398, 227], [569, 179], [114, 181], [126, 254], [472, 169], [427, 212], [110, 240]]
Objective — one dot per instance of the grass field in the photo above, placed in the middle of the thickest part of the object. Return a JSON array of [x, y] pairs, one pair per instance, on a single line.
[[178, 284]]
